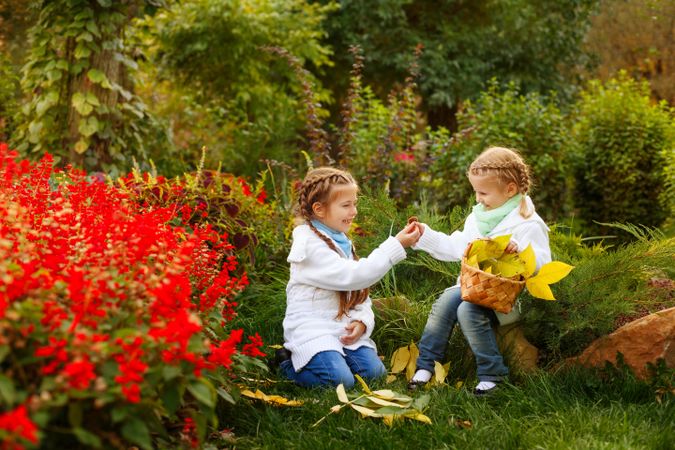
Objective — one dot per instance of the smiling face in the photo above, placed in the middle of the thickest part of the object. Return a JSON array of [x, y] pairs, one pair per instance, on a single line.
[[340, 209], [490, 192]]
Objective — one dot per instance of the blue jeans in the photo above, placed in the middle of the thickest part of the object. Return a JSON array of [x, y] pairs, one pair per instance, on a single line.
[[476, 323], [330, 368]]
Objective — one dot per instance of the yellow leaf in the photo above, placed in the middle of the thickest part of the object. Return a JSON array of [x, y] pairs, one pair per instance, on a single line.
[[412, 362], [272, 399], [472, 261], [416, 415], [440, 371], [341, 394], [390, 379], [275, 346], [399, 360], [488, 269], [501, 242], [366, 412], [553, 272], [539, 289], [476, 248], [388, 419], [391, 395], [336, 408], [383, 402], [363, 384], [508, 266], [530, 260], [459, 384]]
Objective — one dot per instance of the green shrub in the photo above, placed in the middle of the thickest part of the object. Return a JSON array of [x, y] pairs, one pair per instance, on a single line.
[[605, 290], [528, 123], [624, 142]]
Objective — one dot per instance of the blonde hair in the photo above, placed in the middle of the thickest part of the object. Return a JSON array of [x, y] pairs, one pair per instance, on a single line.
[[318, 187], [508, 167]]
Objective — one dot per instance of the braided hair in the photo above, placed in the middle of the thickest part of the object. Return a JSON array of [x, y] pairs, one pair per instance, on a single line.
[[317, 187], [508, 167]]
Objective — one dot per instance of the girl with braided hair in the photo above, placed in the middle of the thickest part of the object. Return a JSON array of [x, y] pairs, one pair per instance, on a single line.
[[501, 181], [329, 318]]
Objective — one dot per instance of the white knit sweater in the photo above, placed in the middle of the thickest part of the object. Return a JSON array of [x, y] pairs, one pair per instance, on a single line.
[[317, 274], [532, 230]]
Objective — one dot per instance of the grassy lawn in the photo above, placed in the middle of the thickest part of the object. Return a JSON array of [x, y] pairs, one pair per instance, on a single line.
[[570, 410]]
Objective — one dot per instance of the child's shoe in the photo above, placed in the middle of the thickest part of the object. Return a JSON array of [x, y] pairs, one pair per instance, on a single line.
[[485, 388], [280, 356]]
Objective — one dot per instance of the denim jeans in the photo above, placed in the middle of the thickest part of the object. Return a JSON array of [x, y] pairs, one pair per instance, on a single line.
[[330, 368], [476, 323]]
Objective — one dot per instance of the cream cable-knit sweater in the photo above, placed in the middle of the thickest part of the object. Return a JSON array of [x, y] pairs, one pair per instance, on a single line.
[[317, 274], [532, 230]]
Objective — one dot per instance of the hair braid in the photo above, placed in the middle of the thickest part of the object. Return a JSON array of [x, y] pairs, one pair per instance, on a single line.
[[316, 187]]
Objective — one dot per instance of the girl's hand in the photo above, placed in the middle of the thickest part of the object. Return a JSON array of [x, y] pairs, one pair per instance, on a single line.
[[354, 331], [511, 248], [409, 235]]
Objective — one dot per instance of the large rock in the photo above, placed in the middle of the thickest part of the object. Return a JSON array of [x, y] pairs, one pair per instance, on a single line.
[[521, 353], [642, 341]]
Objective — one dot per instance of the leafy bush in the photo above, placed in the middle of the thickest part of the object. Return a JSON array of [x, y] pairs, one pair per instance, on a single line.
[[624, 142], [529, 123], [113, 316]]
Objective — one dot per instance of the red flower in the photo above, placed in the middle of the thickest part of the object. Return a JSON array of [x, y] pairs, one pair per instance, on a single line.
[[262, 196], [253, 349], [404, 157], [80, 373], [18, 426], [222, 353]]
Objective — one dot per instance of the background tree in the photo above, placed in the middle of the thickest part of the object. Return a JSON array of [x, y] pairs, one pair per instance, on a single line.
[[637, 36], [465, 44], [221, 88], [80, 103]]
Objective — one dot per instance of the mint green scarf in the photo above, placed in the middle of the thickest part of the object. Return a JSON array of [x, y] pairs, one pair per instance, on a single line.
[[488, 220]]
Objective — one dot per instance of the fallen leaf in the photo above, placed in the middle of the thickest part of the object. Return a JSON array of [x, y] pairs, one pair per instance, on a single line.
[[272, 399]]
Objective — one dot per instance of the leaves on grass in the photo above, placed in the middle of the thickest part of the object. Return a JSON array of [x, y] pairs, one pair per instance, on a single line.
[[276, 400], [385, 404], [404, 359]]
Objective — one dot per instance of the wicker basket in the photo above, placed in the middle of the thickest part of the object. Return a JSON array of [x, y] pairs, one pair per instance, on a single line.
[[485, 289]]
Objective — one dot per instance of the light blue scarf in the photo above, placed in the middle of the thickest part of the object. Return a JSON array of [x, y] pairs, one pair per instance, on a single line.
[[488, 220], [340, 239]]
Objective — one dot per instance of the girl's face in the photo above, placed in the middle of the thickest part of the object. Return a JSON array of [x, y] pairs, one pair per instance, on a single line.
[[340, 210], [490, 192]]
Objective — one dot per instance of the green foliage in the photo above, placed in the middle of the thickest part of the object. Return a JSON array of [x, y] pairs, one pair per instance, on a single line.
[[9, 87], [528, 123], [465, 43], [625, 151], [81, 104], [211, 54], [605, 290]]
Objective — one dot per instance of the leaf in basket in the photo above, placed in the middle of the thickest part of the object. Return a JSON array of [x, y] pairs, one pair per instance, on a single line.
[[476, 248], [472, 261], [509, 265], [530, 260], [488, 269]]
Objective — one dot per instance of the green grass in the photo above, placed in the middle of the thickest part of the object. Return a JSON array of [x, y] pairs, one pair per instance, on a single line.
[[571, 410]]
